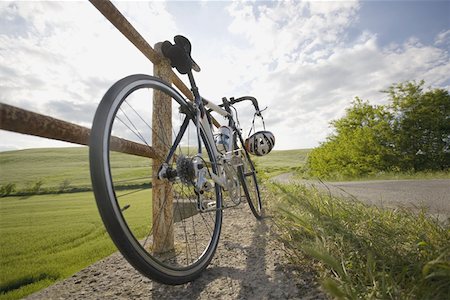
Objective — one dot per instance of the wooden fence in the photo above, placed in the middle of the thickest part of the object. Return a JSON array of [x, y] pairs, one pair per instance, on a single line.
[[26, 122]]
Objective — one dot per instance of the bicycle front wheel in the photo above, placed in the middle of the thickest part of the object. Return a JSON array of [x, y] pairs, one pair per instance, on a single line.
[[160, 230]]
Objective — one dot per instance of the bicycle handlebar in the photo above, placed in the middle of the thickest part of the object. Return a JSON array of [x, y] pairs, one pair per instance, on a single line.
[[240, 99], [249, 98]]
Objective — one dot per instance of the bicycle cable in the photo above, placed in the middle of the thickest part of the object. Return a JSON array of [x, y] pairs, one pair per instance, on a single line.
[[237, 117], [252, 128]]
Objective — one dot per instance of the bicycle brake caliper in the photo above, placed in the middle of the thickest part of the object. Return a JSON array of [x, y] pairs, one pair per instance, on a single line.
[[202, 185]]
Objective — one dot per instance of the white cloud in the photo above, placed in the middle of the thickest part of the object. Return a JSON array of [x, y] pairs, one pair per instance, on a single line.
[[59, 58], [296, 57], [319, 69], [151, 19], [15, 141], [443, 38], [314, 94]]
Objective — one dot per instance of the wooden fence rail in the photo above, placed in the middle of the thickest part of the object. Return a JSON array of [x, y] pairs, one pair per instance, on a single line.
[[22, 121], [110, 12], [121, 23]]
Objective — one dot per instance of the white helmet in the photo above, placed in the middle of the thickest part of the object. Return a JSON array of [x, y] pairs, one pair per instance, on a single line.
[[260, 143]]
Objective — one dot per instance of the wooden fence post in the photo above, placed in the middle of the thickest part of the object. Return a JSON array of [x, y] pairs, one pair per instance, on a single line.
[[162, 196]]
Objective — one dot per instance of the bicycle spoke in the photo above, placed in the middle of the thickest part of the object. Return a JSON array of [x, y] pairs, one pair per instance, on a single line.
[[135, 220]]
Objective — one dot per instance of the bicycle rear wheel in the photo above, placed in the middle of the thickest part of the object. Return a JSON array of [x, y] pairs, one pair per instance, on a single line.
[[121, 182], [247, 176]]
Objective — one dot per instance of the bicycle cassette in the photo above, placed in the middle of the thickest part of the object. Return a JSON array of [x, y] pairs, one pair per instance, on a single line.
[[185, 169]]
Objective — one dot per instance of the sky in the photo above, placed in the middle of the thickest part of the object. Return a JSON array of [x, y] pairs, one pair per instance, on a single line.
[[304, 60]]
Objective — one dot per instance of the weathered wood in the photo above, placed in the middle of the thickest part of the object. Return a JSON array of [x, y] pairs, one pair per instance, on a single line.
[[23, 121], [121, 23], [181, 86], [26, 122], [162, 196], [129, 147]]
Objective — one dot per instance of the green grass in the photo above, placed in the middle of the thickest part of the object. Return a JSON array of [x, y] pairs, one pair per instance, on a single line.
[[52, 166], [56, 165], [71, 165], [46, 238], [281, 161], [364, 252]]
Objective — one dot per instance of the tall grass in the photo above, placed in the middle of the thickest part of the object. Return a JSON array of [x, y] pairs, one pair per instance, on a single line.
[[46, 238], [364, 252]]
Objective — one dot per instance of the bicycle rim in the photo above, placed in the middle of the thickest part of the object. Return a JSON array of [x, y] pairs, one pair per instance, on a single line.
[[247, 176], [121, 184], [251, 190]]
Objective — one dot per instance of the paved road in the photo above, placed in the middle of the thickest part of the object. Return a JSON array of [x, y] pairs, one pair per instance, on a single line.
[[433, 194]]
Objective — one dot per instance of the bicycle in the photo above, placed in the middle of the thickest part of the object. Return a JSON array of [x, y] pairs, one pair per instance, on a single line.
[[204, 172]]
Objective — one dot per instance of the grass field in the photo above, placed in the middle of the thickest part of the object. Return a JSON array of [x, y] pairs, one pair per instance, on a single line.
[[45, 238], [281, 161], [361, 251], [54, 166]]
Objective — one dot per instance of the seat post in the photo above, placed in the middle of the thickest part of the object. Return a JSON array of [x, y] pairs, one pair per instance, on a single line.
[[194, 87]]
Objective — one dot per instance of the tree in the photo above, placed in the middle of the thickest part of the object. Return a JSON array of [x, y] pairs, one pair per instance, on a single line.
[[411, 132], [362, 143], [421, 126]]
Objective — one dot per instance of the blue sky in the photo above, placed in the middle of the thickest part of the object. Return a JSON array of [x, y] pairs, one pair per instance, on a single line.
[[306, 61], [397, 21]]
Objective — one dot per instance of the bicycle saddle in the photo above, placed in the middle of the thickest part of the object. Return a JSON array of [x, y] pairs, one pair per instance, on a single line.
[[180, 54]]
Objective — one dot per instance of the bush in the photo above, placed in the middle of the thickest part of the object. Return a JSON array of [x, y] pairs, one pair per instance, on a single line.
[[7, 189], [64, 186], [34, 188]]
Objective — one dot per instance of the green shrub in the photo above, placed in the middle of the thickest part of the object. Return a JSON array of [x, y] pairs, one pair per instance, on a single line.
[[7, 189], [34, 188], [64, 186]]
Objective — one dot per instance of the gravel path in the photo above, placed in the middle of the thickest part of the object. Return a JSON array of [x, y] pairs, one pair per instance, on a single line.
[[249, 264], [433, 194]]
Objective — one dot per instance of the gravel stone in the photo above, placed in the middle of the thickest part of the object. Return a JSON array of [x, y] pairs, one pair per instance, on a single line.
[[249, 264]]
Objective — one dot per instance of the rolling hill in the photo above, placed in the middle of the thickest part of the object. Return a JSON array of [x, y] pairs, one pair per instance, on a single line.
[[57, 166]]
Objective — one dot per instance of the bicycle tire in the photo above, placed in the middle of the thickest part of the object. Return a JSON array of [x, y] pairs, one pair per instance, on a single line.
[[124, 227], [247, 176]]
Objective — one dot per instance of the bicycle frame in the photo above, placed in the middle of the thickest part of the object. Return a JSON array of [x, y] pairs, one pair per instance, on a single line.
[[197, 111], [227, 164], [190, 190]]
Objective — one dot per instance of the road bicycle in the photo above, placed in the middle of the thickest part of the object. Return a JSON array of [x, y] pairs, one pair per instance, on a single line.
[[204, 171]]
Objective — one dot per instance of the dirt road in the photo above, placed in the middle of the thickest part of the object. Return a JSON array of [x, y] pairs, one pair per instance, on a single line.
[[250, 263], [433, 194]]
